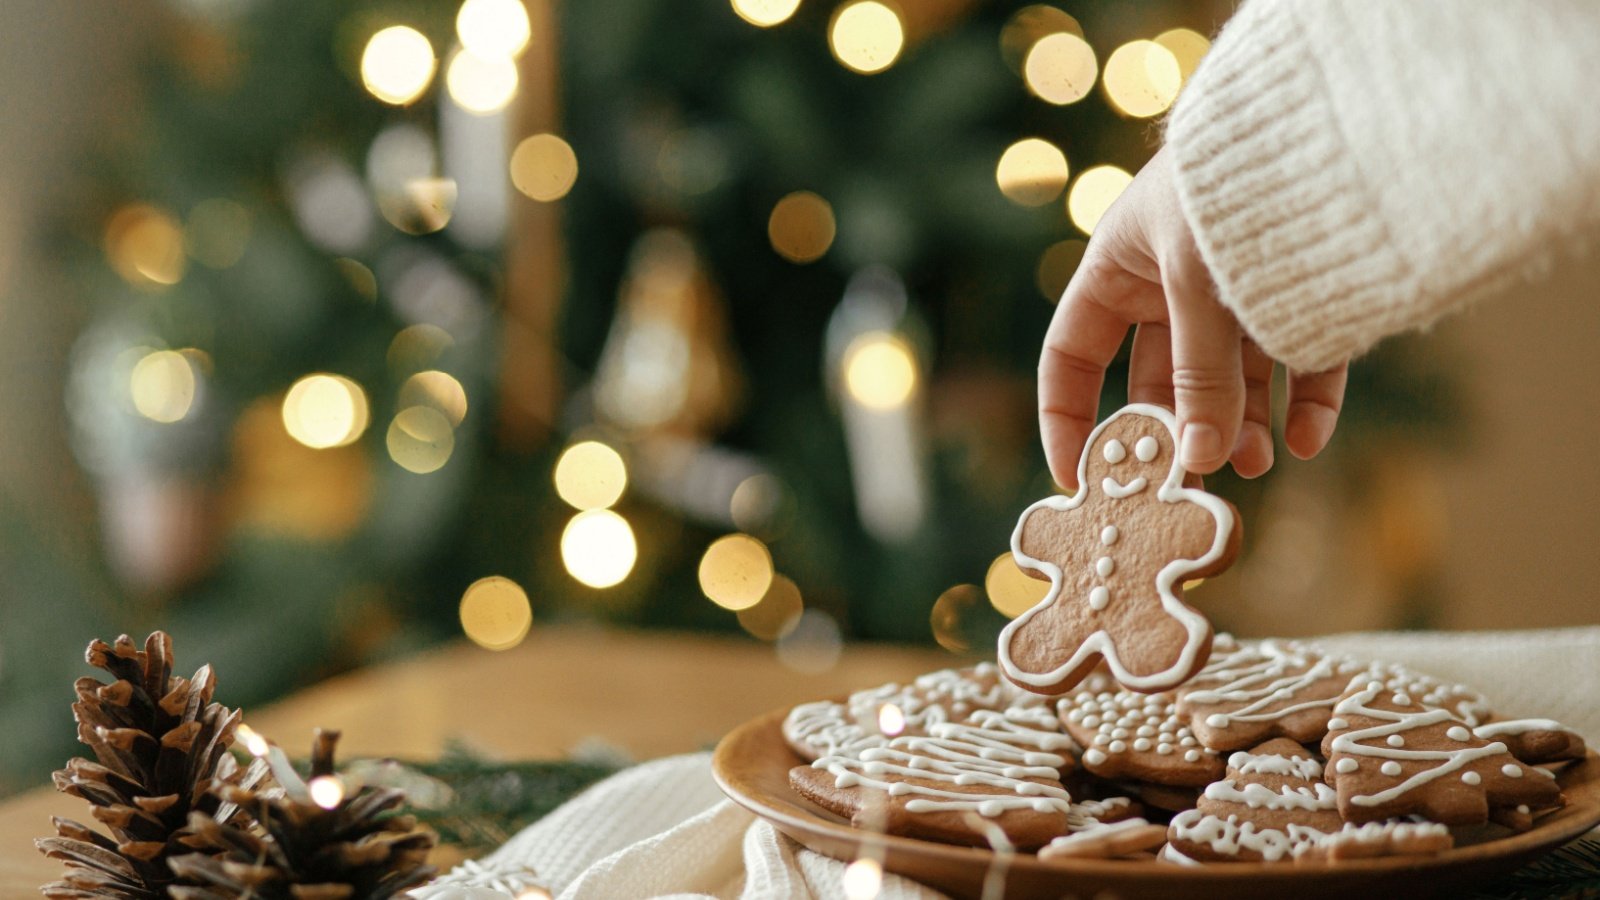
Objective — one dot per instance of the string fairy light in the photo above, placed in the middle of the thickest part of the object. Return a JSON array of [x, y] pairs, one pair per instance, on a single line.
[[439, 390], [598, 548], [866, 36], [481, 85], [765, 13], [1011, 591], [801, 227], [778, 612], [1031, 172], [162, 386], [420, 439], [590, 475], [1093, 193], [495, 613], [1142, 79], [145, 245], [736, 571], [946, 617], [325, 410], [543, 167], [1060, 68], [880, 370], [397, 64], [1187, 46], [493, 29]]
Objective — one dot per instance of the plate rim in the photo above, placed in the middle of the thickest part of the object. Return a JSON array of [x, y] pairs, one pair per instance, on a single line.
[[1554, 831]]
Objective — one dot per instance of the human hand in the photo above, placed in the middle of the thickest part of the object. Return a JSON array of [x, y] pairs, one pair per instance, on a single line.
[[1142, 269]]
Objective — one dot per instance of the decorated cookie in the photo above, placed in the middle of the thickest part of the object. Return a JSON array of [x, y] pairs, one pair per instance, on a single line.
[[1391, 755], [1260, 690], [1116, 555], [948, 695], [999, 768], [1272, 800], [1392, 838], [1110, 840], [1460, 701], [1535, 740], [1125, 735]]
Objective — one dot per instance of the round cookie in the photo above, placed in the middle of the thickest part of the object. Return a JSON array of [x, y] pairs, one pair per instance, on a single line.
[[948, 695], [1137, 736], [1116, 555], [1261, 690]]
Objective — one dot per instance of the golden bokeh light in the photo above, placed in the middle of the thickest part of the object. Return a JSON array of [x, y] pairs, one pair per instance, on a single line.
[[1186, 46], [736, 571], [891, 720], [324, 410], [1142, 79], [437, 389], [361, 278], [1027, 25], [590, 475], [397, 64], [1057, 264], [481, 85], [1060, 68], [765, 13], [1031, 172], [327, 791], [145, 245], [866, 36], [493, 29], [417, 347], [543, 167], [217, 231], [420, 439], [949, 614], [863, 879], [801, 227], [756, 503], [880, 371], [1093, 193], [162, 386], [495, 613], [778, 612], [1011, 591], [254, 743], [598, 548]]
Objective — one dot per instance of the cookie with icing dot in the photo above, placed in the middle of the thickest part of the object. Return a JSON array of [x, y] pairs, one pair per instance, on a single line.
[[1390, 755], [1257, 691], [1126, 735], [1117, 554]]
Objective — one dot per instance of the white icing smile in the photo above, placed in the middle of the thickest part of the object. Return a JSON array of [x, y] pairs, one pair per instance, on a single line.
[[1116, 490]]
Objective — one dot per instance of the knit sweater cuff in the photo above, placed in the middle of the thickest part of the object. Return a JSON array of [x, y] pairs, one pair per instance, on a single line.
[[1272, 192]]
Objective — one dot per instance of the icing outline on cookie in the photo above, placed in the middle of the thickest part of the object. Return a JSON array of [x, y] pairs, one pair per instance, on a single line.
[[1197, 628]]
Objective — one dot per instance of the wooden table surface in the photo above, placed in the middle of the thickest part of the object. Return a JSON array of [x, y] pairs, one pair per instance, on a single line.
[[648, 695]]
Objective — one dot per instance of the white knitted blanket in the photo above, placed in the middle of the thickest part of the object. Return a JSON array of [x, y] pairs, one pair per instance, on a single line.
[[663, 829]]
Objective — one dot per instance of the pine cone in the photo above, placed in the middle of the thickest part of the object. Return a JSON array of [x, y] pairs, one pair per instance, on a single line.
[[160, 743], [357, 849]]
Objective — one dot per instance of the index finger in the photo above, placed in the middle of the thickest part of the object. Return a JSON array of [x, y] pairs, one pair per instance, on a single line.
[[1083, 338]]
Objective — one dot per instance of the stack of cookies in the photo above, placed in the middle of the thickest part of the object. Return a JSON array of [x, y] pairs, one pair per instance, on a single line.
[[1273, 752]]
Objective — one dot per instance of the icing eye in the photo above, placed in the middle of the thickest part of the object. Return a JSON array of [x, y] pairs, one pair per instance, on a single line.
[[1115, 452], [1146, 449]]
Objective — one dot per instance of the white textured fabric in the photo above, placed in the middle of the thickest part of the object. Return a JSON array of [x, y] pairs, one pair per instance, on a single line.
[[1357, 168], [663, 829]]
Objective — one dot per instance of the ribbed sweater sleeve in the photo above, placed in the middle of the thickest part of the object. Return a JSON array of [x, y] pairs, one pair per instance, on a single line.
[[1357, 168]]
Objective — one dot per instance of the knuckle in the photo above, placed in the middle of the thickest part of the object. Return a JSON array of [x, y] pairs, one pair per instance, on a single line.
[[1203, 381]]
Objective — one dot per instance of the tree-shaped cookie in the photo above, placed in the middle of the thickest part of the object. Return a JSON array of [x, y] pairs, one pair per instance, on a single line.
[[1390, 754], [1260, 690], [1116, 555]]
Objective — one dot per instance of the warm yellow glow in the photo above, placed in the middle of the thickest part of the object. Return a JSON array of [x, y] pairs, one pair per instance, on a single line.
[[1093, 193], [946, 617], [765, 13], [1027, 25], [436, 389], [217, 232], [495, 613], [493, 29], [866, 36], [1193, 583], [891, 720], [1056, 267], [397, 64], [325, 410], [326, 791], [590, 475], [420, 439], [736, 571], [863, 879], [254, 743], [479, 85], [778, 612], [1060, 68], [1031, 172], [533, 893], [544, 167], [162, 386], [801, 227], [880, 371], [421, 205], [1142, 79], [418, 346], [360, 277], [1011, 591], [598, 548], [145, 246], [1186, 46]]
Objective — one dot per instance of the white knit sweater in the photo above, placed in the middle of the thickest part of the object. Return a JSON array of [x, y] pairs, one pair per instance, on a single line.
[[1357, 168]]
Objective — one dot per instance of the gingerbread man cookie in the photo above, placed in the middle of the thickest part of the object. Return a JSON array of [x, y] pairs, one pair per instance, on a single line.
[[1116, 555]]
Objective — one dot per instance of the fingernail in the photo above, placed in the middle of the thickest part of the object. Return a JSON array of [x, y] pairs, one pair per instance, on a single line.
[[1201, 445]]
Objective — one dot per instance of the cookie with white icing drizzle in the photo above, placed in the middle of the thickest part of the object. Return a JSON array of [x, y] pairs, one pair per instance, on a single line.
[[1109, 840], [1001, 767], [1117, 554], [1260, 690], [1126, 735], [1535, 740], [1390, 755]]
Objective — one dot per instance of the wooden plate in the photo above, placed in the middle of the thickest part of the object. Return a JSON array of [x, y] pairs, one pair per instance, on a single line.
[[752, 766]]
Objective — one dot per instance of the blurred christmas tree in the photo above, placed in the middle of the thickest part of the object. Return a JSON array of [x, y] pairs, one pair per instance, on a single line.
[[634, 303]]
